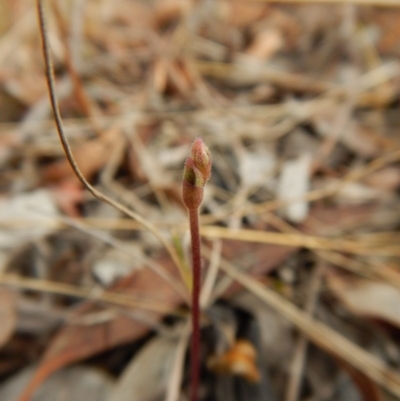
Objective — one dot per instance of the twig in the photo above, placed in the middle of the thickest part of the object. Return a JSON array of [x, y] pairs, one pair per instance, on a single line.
[[67, 149]]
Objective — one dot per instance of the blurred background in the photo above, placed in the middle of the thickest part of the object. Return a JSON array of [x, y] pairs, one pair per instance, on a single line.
[[299, 104]]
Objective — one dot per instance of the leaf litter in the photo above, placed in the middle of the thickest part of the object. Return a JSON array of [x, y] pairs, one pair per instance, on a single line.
[[298, 104]]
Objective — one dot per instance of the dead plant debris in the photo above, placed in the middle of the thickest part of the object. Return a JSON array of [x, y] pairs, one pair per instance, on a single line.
[[298, 102]]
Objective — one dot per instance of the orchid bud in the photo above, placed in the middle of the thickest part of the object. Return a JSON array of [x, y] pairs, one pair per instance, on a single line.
[[195, 174], [201, 156], [192, 186]]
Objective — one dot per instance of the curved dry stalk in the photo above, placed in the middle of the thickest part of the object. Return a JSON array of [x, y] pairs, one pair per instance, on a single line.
[[68, 152]]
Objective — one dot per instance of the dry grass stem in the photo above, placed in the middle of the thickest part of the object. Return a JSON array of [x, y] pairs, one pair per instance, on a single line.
[[95, 294], [296, 240]]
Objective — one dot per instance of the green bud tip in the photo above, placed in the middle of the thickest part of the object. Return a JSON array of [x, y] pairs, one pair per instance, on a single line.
[[192, 175]]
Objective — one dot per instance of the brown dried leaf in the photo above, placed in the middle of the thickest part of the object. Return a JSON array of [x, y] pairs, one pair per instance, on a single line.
[[368, 389], [167, 11], [261, 259], [5, 13], [77, 342], [388, 23], [241, 14], [67, 195], [387, 179], [146, 376], [8, 314], [265, 44], [160, 75], [325, 220], [90, 157]]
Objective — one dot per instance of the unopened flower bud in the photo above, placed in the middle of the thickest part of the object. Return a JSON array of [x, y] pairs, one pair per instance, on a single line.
[[201, 156], [195, 174]]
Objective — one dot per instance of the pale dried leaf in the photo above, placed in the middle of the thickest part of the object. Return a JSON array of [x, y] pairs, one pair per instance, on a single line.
[[147, 375], [368, 298], [26, 207], [356, 193], [256, 167], [116, 263], [294, 183], [76, 383]]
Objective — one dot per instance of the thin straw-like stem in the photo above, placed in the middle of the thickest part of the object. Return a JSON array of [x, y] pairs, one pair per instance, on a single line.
[[196, 274]]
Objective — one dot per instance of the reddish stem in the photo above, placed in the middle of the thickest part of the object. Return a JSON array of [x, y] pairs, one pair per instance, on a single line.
[[196, 263]]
